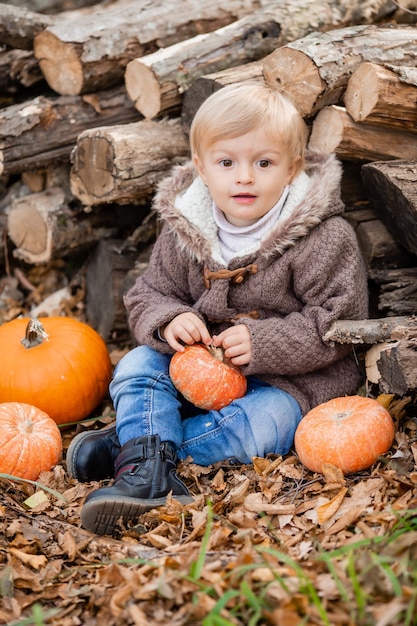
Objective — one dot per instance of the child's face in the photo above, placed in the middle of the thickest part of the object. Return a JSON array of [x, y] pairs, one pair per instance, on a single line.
[[245, 175]]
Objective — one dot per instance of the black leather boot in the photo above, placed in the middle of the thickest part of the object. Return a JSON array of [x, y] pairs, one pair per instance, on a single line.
[[145, 475], [91, 454]]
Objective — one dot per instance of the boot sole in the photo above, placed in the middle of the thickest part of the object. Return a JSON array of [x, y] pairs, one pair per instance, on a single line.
[[101, 517], [72, 451]]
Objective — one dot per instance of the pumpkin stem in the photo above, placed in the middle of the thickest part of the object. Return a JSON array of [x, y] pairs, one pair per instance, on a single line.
[[27, 427], [35, 334], [216, 352]]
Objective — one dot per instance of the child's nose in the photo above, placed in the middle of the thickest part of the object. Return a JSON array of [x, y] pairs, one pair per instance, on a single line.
[[244, 174]]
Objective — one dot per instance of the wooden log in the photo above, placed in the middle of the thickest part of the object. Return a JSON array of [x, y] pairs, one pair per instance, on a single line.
[[43, 227], [39, 132], [376, 95], [296, 19], [108, 277], [371, 331], [156, 82], [56, 175], [19, 26], [406, 74], [379, 248], [352, 189], [309, 70], [201, 88], [335, 131], [51, 7], [397, 290], [79, 56], [397, 366], [18, 70], [3, 237], [122, 164], [392, 189]]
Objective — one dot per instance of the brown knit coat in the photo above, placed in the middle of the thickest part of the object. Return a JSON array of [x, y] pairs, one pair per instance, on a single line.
[[307, 273]]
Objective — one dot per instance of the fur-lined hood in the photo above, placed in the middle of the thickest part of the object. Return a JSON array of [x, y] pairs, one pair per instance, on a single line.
[[183, 201]]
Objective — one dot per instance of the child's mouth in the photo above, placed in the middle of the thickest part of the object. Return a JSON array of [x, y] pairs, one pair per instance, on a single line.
[[244, 198]]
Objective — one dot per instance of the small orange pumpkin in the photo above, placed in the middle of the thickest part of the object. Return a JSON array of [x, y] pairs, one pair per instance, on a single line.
[[62, 366], [350, 432], [206, 378], [30, 441]]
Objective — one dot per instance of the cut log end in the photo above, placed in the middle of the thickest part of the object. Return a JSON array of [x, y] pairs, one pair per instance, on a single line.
[[296, 76], [28, 231], [361, 94], [143, 89], [328, 130], [59, 63], [93, 154]]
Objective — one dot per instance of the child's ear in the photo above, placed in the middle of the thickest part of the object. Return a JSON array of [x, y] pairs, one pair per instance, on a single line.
[[294, 169], [198, 166]]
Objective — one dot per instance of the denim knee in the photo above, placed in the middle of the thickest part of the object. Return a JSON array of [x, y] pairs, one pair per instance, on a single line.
[[262, 422], [142, 361]]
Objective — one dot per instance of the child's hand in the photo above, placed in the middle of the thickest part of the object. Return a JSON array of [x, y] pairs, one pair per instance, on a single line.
[[186, 328], [236, 343]]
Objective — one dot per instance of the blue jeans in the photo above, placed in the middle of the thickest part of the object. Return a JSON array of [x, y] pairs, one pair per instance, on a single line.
[[147, 403]]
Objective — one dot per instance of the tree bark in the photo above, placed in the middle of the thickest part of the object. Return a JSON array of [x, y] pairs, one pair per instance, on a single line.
[[18, 68], [3, 237], [156, 82], [397, 366], [309, 70], [51, 7], [335, 131], [201, 88], [43, 227], [89, 54], [122, 164], [41, 131], [379, 248], [296, 19], [406, 74], [371, 331], [108, 277], [397, 290], [392, 189], [377, 95], [18, 26]]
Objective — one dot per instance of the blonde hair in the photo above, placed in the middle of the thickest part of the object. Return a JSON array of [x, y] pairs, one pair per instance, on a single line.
[[236, 109]]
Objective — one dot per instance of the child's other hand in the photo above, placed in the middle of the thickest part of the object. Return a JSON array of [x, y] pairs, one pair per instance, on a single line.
[[236, 343], [186, 328]]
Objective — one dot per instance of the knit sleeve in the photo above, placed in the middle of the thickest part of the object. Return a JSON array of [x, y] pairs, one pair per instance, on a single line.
[[160, 294], [329, 281]]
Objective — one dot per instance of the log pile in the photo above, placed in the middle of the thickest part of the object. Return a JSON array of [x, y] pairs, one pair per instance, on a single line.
[[95, 106]]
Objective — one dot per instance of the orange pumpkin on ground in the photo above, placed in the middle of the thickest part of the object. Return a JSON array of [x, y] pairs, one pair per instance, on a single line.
[[58, 364], [350, 432], [205, 378], [30, 441]]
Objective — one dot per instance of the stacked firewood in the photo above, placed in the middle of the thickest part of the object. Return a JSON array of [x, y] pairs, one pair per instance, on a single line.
[[96, 104]]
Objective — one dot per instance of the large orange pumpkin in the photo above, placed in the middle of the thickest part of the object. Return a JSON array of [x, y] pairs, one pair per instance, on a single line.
[[205, 378], [30, 441], [58, 364], [350, 432]]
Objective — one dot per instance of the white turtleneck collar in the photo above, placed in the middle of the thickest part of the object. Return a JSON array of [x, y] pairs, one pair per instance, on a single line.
[[237, 240]]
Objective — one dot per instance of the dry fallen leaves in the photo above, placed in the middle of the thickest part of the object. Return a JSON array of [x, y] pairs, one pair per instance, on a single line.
[[159, 571]]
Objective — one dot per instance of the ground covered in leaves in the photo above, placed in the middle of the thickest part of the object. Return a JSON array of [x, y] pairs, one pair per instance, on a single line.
[[266, 543]]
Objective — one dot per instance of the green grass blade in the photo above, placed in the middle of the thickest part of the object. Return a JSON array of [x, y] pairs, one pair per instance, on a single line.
[[307, 585], [36, 483], [197, 566]]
